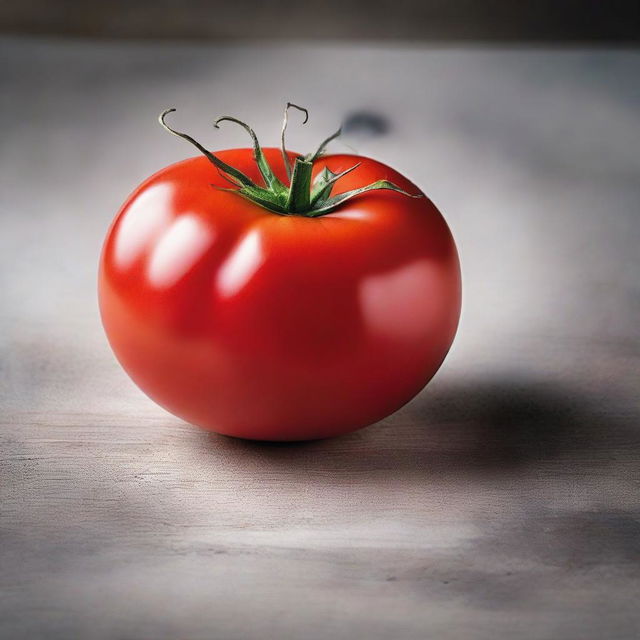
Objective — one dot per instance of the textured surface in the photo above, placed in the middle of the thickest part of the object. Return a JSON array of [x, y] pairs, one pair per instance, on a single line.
[[501, 503]]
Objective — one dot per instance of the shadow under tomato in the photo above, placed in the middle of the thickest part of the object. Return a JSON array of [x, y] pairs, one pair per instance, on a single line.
[[449, 428]]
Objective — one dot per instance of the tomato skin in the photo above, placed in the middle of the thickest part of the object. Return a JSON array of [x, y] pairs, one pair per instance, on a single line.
[[272, 327]]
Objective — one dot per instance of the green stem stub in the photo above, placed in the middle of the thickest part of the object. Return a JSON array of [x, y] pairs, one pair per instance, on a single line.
[[300, 191], [300, 197]]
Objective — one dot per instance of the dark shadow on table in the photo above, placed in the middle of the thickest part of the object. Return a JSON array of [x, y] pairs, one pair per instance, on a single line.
[[489, 425]]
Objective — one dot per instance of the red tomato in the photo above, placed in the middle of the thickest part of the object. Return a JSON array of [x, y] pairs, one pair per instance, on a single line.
[[278, 327]]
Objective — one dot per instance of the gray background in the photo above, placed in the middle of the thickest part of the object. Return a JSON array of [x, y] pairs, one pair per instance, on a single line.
[[501, 503]]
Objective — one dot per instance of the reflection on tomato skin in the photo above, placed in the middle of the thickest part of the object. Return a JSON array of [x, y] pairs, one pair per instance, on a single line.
[[177, 250], [278, 327]]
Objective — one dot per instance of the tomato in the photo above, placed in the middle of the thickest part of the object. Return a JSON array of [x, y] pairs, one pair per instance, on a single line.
[[278, 327]]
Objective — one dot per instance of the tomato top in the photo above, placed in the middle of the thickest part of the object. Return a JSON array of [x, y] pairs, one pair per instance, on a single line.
[[298, 194]]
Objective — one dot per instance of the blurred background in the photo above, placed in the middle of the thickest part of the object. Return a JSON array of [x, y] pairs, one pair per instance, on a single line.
[[503, 501], [557, 22]]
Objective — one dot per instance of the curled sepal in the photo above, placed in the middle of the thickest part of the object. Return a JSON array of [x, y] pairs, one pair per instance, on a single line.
[[219, 164], [319, 188], [285, 122], [270, 179], [323, 184], [229, 179], [331, 203], [323, 146], [259, 196]]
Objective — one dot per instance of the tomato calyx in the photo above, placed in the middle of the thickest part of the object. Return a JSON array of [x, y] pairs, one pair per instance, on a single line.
[[301, 196]]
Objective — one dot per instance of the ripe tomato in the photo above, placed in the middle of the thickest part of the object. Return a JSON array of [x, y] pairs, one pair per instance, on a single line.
[[278, 327]]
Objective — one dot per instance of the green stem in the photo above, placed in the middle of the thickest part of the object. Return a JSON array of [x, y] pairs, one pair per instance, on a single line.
[[300, 191]]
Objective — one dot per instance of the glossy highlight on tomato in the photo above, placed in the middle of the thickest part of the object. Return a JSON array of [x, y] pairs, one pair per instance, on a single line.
[[278, 327]]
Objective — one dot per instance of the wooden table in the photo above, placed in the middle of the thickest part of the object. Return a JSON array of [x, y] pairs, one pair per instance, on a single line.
[[501, 503]]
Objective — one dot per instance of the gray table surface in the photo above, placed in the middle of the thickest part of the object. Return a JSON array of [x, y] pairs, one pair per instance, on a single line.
[[503, 502]]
